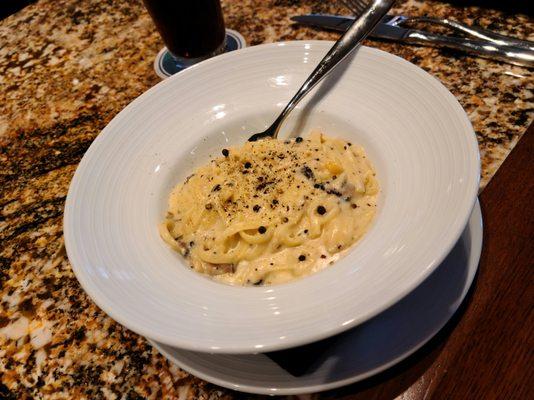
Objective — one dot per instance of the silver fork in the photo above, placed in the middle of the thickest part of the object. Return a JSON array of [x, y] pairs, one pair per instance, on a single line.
[[358, 6], [374, 11]]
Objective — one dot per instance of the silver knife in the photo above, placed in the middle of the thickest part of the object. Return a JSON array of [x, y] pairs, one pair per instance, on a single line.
[[508, 54]]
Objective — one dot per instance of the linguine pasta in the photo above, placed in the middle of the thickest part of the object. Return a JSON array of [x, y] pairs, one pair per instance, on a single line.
[[272, 211]]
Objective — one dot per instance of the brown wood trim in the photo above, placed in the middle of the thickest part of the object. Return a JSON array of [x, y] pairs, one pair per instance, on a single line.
[[487, 350]]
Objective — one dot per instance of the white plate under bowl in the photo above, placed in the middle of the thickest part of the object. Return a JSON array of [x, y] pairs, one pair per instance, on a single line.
[[354, 355], [415, 132]]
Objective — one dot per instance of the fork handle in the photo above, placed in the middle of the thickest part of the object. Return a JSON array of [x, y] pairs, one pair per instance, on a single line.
[[477, 32], [511, 55]]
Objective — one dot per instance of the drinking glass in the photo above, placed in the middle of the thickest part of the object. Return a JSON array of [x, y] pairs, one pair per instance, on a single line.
[[192, 30]]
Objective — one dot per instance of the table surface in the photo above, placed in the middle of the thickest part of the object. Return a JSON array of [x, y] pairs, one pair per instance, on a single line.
[[67, 67]]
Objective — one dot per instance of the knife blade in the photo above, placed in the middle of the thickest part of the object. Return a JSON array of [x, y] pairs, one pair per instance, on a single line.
[[341, 24]]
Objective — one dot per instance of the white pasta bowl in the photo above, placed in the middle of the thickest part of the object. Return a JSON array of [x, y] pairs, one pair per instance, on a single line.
[[416, 134]]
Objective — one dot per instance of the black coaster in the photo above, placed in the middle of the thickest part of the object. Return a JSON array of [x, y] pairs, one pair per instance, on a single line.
[[165, 65]]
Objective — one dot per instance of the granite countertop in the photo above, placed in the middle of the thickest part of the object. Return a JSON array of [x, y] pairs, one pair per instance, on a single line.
[[67, 67]]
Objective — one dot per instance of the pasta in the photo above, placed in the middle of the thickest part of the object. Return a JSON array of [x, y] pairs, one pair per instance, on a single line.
[[272, 211]]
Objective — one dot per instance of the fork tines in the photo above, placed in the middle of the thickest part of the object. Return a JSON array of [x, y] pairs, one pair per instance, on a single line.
[[356, 6]]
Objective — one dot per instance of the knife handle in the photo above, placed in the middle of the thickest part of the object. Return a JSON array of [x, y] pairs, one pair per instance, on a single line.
[[476, 32], [511, 55]]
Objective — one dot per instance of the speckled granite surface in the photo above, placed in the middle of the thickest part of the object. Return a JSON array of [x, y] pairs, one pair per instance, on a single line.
[[66, 68]]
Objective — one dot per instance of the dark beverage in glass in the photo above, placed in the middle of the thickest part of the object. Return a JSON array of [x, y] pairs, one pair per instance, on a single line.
[[192, 30]]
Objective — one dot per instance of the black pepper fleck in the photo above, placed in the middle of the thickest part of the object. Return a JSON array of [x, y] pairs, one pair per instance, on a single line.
[[262, 230], [302, 257], [308, 173], [334, 192], [225, 152], [321, 210]]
